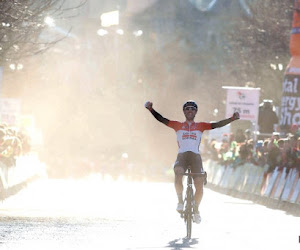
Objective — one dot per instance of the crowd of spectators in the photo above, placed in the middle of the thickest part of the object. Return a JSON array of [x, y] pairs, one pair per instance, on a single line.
[[13, 143], [274, 151]]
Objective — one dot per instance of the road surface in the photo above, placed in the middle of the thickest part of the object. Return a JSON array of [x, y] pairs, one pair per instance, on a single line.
[[99, 213]]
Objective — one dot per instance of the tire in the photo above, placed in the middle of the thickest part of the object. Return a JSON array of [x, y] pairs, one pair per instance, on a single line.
[[189, 226], [189, 215]]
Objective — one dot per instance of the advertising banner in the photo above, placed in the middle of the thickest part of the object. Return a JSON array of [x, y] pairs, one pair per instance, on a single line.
[[290, 100], [10, 109], [243, 100]]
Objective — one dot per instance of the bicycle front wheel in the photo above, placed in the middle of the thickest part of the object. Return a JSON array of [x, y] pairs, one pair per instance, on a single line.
[[189, 226], [189, 215]]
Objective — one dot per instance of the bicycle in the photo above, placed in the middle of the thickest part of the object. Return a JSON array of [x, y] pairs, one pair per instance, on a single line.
[[187, 213]]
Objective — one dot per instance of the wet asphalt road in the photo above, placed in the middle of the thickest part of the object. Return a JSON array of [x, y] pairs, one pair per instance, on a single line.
[[98, 213]]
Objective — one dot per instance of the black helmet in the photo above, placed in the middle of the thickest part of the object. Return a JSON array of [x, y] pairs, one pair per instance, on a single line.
[[190, 103]]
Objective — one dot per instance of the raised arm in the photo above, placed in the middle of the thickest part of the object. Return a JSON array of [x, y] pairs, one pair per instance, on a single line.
[[224, 122], [159, 117]]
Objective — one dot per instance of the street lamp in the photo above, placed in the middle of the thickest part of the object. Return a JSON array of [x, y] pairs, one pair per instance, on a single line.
[[138, 33], [49, 21], [120, 32], [124, 155], [216, 111], [18, 66], [273, 66], [102, 32], [12, 66], [278, 66]]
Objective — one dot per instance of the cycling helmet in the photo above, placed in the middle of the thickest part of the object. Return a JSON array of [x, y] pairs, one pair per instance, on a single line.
[[190, 103]]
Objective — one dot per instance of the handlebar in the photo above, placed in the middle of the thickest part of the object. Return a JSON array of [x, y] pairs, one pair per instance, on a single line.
[[193, 174]]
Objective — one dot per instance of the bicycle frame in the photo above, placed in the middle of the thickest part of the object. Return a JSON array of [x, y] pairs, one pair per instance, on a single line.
[[187, 213]]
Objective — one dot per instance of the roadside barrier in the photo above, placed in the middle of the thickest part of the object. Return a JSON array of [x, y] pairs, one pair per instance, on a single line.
[[14, 177], [279, 189], [3, 176], [292, 178]]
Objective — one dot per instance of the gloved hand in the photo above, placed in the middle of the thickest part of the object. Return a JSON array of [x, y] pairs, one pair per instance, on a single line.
[[235, 116], [148, 105]]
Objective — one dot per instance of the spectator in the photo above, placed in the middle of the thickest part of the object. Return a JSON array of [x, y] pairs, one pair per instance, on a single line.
[[274, 156], [292, 151], [213, 150], [11, 144], [244, 152], [224, 147], [260, 159], [276, 136], [280, 143], [234, 149], [239, 136], [267, 117], [295, 129], [248, 134], [285, 150], [2, 137], [265, 148]]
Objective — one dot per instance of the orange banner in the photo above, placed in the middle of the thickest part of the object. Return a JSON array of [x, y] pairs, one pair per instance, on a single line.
[[295, 36], [293, 67]]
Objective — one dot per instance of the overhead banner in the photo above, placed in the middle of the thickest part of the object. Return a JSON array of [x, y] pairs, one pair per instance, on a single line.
[[243, 100], [295, 34], [290, 100]]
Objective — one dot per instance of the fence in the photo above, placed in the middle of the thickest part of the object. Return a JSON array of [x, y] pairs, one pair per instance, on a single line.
[[279, 189], [12, 178]]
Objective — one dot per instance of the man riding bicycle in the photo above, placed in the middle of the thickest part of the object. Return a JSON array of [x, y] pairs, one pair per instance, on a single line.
[[189, 137]]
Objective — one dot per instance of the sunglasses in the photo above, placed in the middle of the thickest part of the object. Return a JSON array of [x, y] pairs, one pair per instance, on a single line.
[[190, 108]]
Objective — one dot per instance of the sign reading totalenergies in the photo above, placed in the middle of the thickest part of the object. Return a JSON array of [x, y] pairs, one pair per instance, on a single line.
[[290, 101]]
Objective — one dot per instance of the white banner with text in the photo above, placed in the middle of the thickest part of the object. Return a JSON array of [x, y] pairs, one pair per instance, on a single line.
[[243, 100]]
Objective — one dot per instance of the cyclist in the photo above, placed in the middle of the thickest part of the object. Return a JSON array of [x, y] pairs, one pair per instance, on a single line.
[[189, 137]]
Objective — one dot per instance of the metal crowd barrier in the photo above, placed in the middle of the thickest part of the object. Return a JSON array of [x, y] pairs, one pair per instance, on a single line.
[[279, 189], [15, 177]]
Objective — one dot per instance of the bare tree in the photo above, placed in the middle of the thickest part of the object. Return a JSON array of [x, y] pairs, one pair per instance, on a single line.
[[261, 40], [25, 26]]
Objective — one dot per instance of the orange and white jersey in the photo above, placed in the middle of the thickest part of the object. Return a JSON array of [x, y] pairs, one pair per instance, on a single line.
[[189, 134]]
